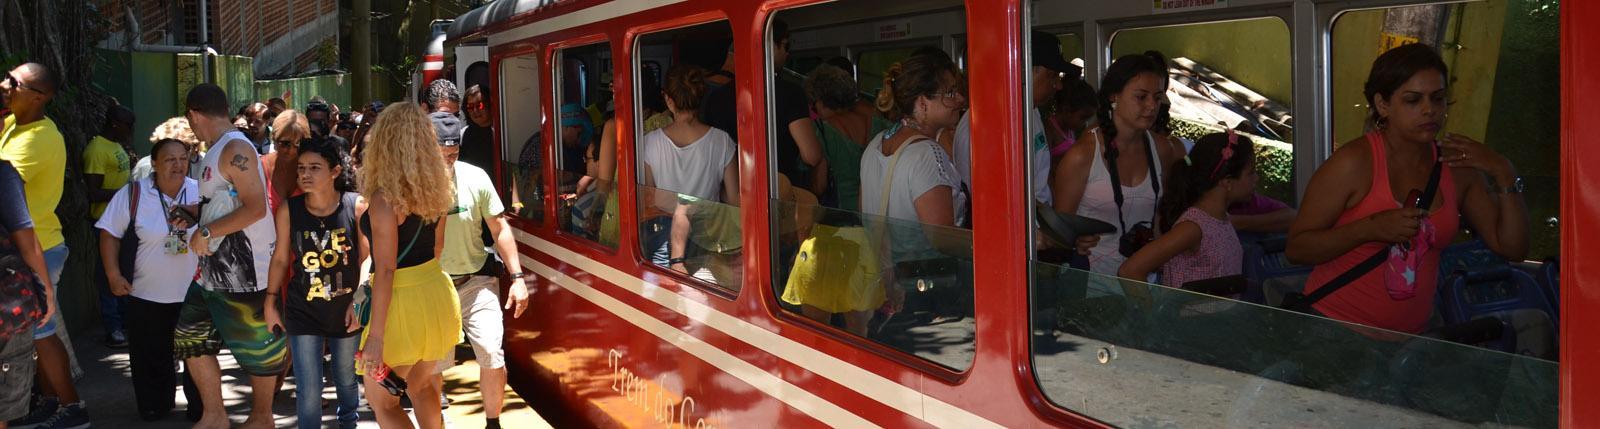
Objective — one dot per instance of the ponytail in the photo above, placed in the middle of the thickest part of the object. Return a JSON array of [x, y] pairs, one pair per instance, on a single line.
[[905, 81], [1199, 172]]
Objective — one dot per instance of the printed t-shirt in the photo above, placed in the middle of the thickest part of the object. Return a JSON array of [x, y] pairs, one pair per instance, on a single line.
[[464, 251], [107, 159]]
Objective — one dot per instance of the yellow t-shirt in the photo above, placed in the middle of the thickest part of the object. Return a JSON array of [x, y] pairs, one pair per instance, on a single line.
[[40, 156], [105, 158]]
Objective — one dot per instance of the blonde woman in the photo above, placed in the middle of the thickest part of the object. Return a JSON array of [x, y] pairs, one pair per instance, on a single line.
[[415, 314], [176, 128], [288, 129]]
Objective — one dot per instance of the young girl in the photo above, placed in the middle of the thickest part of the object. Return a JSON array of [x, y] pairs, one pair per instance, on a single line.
[[1198, 243], [320, 250]]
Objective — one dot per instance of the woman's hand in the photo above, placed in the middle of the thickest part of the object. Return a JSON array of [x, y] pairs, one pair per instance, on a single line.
[[371, 356], [351, 322], [119, 286], [269, 311], [679, 267], [1087, 242], [1462, 152], [1394, 226], [50, 306]]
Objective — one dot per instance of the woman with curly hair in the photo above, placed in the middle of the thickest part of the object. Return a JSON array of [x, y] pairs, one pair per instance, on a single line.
[[415, 315], [176, 128]]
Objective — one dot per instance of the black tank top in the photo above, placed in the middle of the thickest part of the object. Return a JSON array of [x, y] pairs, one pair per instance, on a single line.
[[326, 267], [413, 229]]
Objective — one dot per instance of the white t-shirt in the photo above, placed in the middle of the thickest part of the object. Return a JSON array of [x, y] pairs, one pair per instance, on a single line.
[[923, 166], [694, 170], [157, 277], [241, 259], [1039, 161]]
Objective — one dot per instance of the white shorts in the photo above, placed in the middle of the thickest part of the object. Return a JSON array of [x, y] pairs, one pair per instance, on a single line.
[[482, 320]]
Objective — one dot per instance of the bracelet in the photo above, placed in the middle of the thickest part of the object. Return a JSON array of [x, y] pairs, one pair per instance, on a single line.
[[519, 275], [272, 293], [674, 261]]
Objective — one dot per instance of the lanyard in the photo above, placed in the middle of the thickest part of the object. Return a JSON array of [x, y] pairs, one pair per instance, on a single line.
[[165, 210]]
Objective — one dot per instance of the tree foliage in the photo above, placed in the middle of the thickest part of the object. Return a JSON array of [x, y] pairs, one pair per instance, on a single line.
[[62, 35]]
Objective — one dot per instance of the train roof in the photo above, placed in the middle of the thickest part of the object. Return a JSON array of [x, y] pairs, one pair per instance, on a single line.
[[504, 14]]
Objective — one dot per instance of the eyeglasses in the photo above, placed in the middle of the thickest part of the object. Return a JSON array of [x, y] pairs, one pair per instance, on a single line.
[[12, 81]]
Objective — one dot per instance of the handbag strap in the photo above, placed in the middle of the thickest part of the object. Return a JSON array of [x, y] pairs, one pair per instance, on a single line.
[[407, 250], [133, 204], [1110, 155], [1372, 262], [888, 176]]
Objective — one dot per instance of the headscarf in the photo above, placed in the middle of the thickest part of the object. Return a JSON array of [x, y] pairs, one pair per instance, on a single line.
[[573, 115]]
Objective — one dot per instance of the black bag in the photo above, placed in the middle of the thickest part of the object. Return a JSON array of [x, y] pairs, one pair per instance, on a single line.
[[1301, 302], [1135, 238], [128, 251]]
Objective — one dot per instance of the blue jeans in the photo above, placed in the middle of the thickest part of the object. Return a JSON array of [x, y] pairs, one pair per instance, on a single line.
[[111, 306], [307, 351], [55, 259]]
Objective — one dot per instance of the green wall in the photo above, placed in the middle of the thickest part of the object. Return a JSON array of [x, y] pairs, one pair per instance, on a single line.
[[1253, 52], [334, 88], [1525, 118], [144, 82]]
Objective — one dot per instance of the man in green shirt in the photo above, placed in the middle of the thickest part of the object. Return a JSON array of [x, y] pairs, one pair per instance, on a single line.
[[105, 170], [467, 262], [33, 145]]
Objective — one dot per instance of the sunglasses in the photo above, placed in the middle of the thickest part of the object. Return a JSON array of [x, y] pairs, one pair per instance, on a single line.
[[12, 81], [477, 106]]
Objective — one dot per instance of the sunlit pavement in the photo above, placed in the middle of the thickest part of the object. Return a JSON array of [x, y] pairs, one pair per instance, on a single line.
[[107, 389]]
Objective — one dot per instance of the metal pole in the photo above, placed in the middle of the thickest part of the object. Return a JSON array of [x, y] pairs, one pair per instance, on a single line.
[[361, 52], [205, 41]]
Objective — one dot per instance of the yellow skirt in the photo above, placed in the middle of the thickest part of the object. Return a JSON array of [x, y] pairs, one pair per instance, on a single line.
[[836, 270], [424, 320]]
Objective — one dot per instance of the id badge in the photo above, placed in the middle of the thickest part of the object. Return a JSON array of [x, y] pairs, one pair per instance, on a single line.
[[176, 244]]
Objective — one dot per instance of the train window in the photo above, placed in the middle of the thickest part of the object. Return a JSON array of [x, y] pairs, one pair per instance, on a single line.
[[519, 121], [687, 162], [1132, 335], [586, 147], [1239, 76], [866, 238], [1502, 88]]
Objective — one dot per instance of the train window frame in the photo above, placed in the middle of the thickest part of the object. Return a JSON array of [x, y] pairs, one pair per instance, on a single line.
[[883, 349], [505, 67], [635, 41], [590, 77]]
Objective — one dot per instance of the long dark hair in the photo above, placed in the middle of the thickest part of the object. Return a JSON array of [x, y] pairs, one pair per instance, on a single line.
[[1187, 181], [1393, 69], [1122, 71], [334, 153]]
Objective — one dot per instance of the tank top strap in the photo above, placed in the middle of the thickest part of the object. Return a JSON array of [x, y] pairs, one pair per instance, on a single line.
[[1156, 175], [1380, 166]]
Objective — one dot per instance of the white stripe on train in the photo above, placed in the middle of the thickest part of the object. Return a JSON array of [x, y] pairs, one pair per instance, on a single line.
[[591, 14], [900, 397]]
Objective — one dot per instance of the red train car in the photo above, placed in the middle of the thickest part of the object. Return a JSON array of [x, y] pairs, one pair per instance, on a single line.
[[633, 326]]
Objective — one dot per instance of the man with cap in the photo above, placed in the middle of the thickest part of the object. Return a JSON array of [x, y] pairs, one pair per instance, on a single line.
[[1048, 69], [475, 272]]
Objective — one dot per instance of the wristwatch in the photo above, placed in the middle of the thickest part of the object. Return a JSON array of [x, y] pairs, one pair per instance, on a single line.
[[1516, 186], [518, 275], [205, 232]]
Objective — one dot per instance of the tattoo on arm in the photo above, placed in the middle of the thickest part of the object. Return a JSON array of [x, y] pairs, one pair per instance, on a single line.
[[241, 162]]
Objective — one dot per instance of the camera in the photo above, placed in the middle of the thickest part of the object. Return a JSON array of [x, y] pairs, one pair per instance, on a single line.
[[1135, 238]]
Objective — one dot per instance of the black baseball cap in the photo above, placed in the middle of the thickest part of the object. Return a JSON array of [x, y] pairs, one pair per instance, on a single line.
[[448, 127], [1047, 54]]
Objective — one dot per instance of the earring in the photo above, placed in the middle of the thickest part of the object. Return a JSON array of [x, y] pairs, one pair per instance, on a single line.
[[1383, 122], [1113, 106]]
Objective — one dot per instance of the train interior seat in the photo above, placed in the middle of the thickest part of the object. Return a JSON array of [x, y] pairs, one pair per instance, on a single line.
[[1508, 294], [1267, 269]]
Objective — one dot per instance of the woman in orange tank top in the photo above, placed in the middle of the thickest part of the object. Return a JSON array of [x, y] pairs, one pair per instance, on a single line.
[[1357, 202]]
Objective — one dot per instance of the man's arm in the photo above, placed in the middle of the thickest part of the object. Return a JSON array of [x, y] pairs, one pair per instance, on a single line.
[[241, 170]]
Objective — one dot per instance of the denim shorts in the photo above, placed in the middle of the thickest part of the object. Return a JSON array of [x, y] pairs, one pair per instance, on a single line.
[[55, 260]]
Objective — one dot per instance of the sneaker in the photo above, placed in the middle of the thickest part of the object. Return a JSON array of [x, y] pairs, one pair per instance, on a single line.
[[71, 416], [117, 340], [42, 409]]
